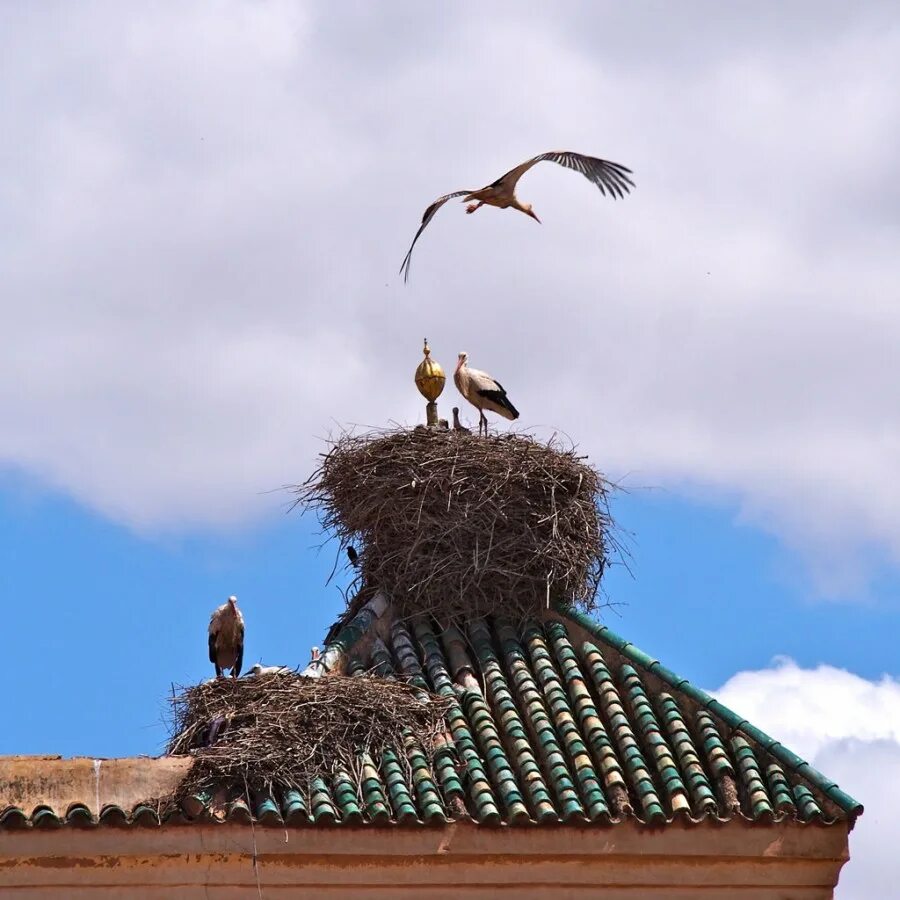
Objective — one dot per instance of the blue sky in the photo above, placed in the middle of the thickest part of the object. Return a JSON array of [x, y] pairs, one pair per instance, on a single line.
[[102, 621]]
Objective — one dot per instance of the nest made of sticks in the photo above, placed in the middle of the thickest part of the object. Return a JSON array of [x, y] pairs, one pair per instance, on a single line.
[[282, 730], [457, 525]]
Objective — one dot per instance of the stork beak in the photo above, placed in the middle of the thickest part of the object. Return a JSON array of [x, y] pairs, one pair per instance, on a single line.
[[533, 216]]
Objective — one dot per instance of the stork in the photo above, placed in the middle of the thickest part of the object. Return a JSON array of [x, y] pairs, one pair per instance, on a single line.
[[226, 638], [482, 391], [610, 177], [457, 425], [258, 669]]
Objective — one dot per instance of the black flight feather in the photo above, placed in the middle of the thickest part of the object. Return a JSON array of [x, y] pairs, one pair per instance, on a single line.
[[500, 398]]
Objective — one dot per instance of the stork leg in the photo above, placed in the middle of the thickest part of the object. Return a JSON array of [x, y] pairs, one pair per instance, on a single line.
[[482, 422], [473, 206]]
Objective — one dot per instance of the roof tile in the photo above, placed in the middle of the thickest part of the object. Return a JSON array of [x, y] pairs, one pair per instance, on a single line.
[[550, 721]]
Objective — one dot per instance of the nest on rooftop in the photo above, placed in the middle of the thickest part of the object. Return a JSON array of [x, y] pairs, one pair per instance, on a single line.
[[456, 525], [282, 730]]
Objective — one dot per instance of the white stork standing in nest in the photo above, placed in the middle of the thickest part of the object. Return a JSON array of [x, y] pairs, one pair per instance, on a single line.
[[483, 392], [226, 638], [610, 177]]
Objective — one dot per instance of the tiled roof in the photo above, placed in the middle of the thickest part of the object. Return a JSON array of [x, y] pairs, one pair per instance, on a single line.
[[553, 721]]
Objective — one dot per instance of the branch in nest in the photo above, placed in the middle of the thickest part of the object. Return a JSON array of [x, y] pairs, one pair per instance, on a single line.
[[282, 730], [459, 525]]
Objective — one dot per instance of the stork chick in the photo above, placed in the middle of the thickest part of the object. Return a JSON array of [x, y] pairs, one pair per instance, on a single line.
[[607, 176], [226, 638], [483, 392], [258, 669], [457, 425]]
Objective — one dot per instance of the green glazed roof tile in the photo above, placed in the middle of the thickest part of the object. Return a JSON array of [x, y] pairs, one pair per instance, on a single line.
[[197, 806], [428, 799], [265, 810], [712, 746], [752, 783], [654, 742], [398, 792], [845, 805], [80, 816], [45, 817], [407, 659], [293, 808], [145, 816], [516, 739], [548, 749], [554, 721], [620, 728], [703, 800], [344, 792], [355, 666], [112, 816], [373, 793], [175, 816], [780, 789], [320, 803], [381, 662], [482, 804], [567, 731], [502, 776], [446, 768], [238, 811], [589, 721], [13, 817], [807, 807]]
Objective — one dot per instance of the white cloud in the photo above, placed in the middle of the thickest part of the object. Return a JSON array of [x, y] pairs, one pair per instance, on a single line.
[[848, 728], [203, 212]]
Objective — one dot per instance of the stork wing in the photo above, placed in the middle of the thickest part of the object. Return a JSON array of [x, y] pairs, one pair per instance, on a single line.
[[429, 215], [608, 176], [490, 388], [236, 670], [212, 648]]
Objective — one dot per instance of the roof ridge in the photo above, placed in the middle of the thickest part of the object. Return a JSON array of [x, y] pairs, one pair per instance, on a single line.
[[785, 756], [349, 634]]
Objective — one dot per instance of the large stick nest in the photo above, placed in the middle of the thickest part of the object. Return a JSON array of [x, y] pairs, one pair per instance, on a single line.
[[457, 525], [282, 730]]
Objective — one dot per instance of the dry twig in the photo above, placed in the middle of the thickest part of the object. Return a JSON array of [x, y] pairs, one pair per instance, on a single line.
[[459, 526], [283, 730]]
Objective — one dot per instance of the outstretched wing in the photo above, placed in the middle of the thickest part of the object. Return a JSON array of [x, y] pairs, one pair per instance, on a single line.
[[429, 215], [608, 176]]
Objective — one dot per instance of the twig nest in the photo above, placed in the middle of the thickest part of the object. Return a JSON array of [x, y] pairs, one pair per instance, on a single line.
[[457, 525], [282, 730]]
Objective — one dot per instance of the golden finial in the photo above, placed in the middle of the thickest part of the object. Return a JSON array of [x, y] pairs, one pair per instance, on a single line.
[[430, 381]]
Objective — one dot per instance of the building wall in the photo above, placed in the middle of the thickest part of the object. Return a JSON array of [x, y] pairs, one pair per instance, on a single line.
[[623, 862]]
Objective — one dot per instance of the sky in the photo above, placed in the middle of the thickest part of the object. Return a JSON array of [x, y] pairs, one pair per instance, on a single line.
[[203, 210]]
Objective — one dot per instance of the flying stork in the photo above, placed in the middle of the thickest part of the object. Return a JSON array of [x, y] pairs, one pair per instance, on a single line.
[[483, 392], [608, 176], [226, 638]]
